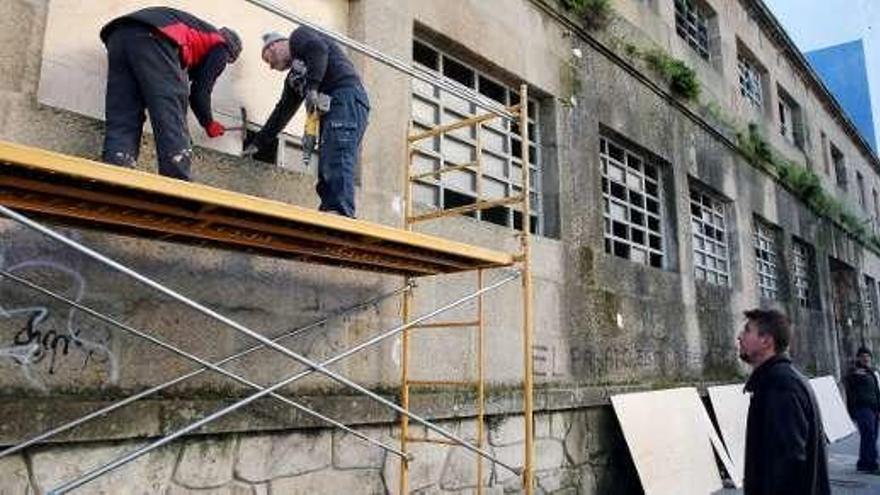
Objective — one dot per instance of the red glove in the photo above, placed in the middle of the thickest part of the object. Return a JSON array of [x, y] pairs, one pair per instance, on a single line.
[[215, 129]]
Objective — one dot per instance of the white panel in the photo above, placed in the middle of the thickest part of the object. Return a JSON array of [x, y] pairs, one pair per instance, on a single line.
[[492, 189], [423, 163], [457, 152], [422, 88], [493, 141], [835, 418], [74, 65], [668, 434], [460, 180], [424, 111], [425, 194], [731, 407], [493, 165], [460, 105]]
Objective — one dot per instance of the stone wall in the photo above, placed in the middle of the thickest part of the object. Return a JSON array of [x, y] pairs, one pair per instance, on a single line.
[[579, 452]]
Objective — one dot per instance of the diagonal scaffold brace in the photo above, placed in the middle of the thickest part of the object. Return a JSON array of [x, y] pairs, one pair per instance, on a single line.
[[207, 365], [196, 372]]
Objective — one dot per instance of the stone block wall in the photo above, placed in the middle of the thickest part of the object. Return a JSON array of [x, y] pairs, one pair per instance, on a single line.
[[577, 453]]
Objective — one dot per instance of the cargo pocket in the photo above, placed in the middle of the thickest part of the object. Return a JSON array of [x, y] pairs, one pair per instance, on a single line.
[[340, 135]]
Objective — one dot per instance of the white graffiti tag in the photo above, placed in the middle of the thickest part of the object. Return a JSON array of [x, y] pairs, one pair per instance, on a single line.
[[34, 342]]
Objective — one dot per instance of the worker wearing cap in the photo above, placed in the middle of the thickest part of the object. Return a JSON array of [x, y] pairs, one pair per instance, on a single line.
[[317, 67], [160, 58]]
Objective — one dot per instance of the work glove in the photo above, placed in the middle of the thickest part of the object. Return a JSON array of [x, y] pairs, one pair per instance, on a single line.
[[317, 101], [249, 151], [215, 129], [296, 78], [311, 100], [250, 147]]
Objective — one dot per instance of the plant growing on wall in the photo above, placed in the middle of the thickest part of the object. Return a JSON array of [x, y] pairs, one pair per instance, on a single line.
[[595, 13], [804, 184], [754, 146], [682, 78]]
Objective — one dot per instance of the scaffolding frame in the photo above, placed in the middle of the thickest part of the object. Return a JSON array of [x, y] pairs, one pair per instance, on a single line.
[[312, 366], [523, 258]]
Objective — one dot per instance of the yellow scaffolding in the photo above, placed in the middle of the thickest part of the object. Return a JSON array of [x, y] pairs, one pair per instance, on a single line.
[[523, 259]]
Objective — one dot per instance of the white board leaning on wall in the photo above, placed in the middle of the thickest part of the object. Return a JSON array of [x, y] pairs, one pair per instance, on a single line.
[[731, 406], [670, 437], [835, 417]]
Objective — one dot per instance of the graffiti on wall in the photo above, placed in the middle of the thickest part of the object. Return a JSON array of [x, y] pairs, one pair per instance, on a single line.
[[41, 338], [553, 361]]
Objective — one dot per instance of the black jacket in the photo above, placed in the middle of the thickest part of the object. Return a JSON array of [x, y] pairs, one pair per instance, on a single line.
[[203, 51], [862, 389], [327, 69], [785, 443]]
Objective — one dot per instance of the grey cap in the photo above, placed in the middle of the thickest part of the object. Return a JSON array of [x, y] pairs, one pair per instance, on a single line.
[[272, 37]]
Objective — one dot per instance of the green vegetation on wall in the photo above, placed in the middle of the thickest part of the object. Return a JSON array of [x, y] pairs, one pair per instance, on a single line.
[[681, 78], [804, 184], [595, 13], [684, 83]]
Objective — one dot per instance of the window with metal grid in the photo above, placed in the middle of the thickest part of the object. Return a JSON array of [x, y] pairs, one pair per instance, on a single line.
[[785, 124], [839, 162], [766, 260], [709, 230], [802, 269], [869, 303], [750, 80], [692, 25], [791, 120], [632, 208], [501, 144]]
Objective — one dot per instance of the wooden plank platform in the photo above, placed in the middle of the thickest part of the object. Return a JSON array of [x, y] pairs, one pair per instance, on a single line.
[[82, 193]]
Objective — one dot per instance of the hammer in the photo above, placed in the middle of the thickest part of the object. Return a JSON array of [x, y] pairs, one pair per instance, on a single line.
[[242, 127]]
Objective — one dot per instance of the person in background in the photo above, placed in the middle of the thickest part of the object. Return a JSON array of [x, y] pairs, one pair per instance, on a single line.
[[863, 402]]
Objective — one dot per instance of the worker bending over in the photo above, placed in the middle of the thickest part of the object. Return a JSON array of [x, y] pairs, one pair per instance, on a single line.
[[158, 58], [317, 68]]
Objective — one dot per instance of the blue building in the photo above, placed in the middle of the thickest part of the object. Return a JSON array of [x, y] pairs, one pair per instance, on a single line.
[[842, 68]]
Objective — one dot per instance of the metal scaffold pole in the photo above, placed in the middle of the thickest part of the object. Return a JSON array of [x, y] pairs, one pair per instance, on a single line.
[[423, 75], [410, 218], [192, 374], [180, 352], [526, 267]]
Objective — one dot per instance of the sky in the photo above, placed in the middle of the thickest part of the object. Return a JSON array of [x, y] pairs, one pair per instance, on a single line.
[[814, 24]]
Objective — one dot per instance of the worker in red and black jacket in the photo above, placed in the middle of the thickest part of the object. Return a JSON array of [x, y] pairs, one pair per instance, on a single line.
[[158, 58]]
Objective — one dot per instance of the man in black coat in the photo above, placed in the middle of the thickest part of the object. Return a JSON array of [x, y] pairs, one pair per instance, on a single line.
[[317, 66], [160, 58], [863, 402], [785, 443]]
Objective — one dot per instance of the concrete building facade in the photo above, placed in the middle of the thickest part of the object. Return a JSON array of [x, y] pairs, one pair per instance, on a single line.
[[656, 229]]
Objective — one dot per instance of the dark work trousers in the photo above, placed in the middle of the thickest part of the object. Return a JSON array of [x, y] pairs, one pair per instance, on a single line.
[[145, 73], [866, 421], [342, 129]]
